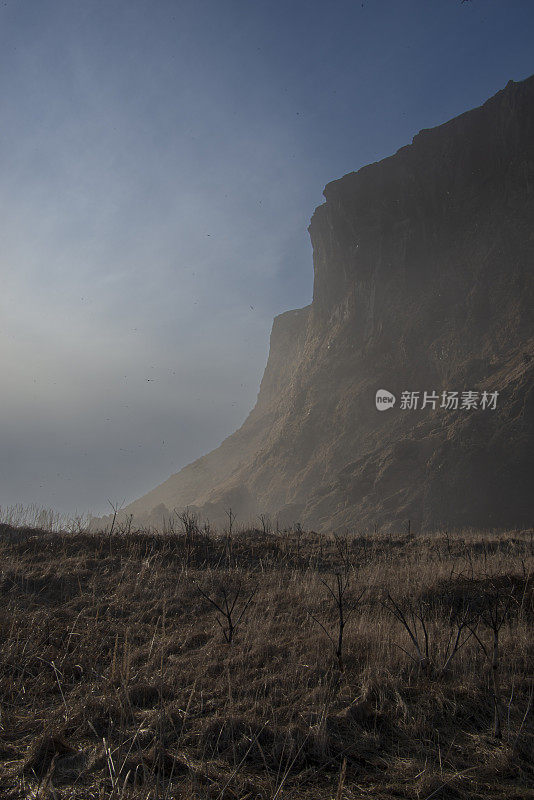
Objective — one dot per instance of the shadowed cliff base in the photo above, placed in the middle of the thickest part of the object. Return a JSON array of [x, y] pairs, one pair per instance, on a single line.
[[423, 283]]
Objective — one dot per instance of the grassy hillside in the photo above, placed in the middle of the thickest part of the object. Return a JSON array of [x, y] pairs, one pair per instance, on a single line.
[[118, 681]]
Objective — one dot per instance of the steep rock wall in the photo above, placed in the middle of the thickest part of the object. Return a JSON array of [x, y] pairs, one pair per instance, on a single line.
[[423, 267]]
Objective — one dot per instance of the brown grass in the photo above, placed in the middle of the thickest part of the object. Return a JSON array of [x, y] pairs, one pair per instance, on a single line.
[[117, 682]]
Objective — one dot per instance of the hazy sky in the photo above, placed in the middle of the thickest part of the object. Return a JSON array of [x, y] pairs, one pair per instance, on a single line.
[[160, 161]]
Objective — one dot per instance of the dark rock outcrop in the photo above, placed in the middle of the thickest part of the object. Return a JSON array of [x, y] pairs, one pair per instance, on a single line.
[[423, 281]]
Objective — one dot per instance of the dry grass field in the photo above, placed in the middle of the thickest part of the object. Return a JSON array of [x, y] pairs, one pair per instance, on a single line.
[[190, 665]]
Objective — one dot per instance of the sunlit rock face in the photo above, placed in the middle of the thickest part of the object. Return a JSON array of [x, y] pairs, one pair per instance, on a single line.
[[423, 282]]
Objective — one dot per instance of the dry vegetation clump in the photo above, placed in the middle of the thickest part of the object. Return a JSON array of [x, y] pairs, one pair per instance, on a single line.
[[260, 665]]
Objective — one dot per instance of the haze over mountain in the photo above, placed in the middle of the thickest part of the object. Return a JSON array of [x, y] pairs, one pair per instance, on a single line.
[[422, 283]]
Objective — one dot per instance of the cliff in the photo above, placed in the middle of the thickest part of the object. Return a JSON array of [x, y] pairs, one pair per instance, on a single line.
[[423, 282]]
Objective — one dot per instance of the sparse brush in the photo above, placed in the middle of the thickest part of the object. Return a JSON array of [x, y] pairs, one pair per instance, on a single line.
[[229, 615], [115, 684], [344, 610]]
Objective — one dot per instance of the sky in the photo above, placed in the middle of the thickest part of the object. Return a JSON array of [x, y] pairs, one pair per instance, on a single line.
[[160, 163]]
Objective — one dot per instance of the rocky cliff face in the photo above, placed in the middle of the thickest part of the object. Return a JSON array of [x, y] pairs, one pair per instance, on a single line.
[[423, 282]]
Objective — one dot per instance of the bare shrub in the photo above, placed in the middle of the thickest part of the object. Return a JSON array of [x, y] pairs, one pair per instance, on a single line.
[[343, 609], [229, 615]]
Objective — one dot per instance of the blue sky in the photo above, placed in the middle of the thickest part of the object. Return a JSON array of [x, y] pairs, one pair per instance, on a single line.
[[160, 162]]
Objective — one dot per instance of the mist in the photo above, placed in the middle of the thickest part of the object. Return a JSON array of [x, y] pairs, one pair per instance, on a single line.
[[160, 166]]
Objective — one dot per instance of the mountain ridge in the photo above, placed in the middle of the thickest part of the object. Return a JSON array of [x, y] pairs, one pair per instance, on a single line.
[[422, 282]]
